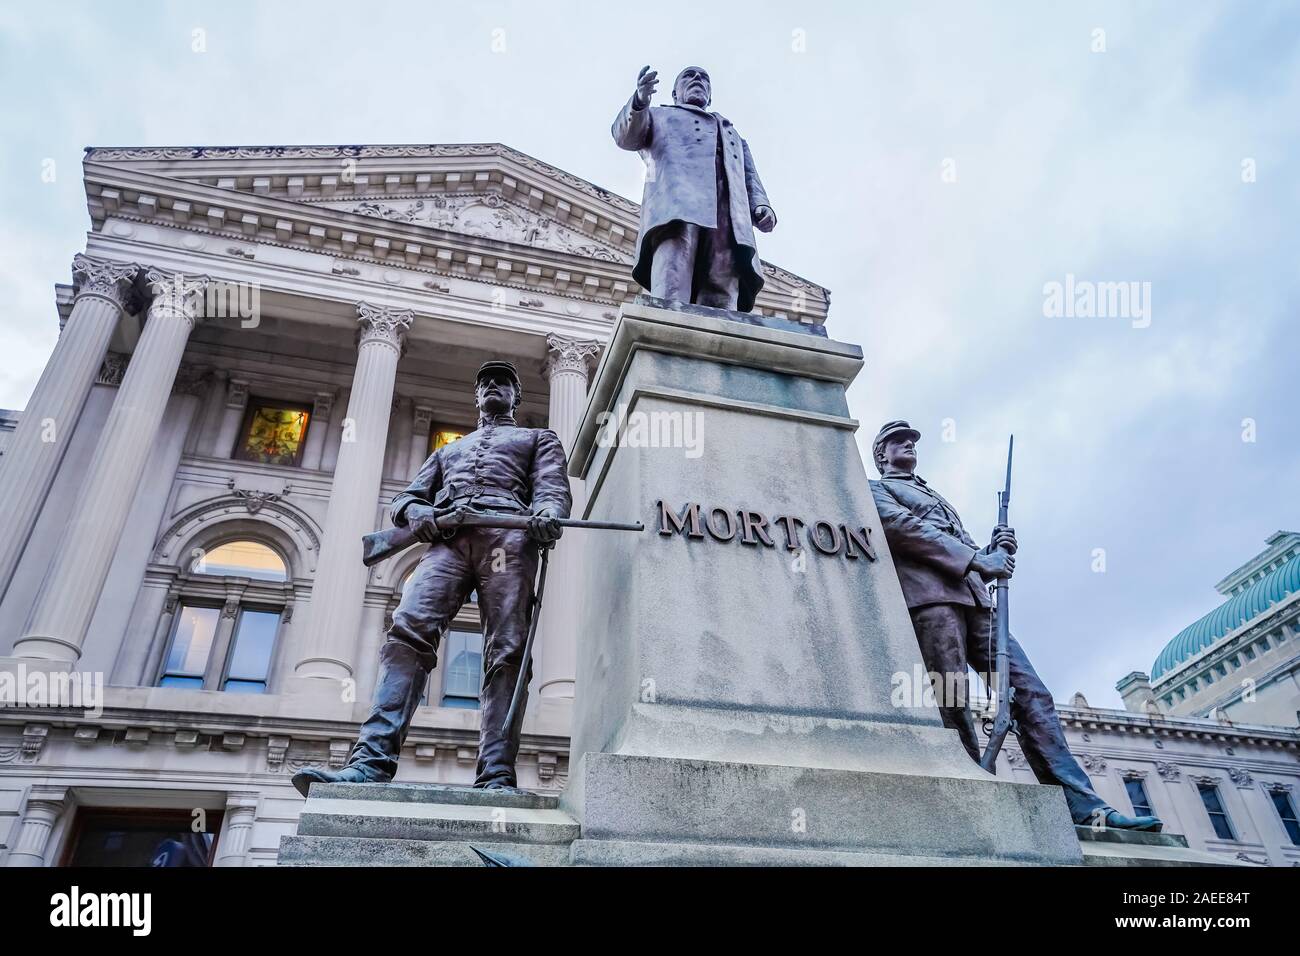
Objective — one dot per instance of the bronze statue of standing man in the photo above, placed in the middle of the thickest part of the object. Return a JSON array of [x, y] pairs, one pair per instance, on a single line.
[[500, 468], [703, 198], [944, 576]]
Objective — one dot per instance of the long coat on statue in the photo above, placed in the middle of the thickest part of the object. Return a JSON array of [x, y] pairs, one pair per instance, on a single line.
[[679, 144]]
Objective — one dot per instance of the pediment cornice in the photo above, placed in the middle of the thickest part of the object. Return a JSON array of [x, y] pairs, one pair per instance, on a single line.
[[482, 211]]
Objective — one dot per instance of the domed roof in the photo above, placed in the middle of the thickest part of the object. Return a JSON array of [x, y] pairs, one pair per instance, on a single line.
[[1235, 611]]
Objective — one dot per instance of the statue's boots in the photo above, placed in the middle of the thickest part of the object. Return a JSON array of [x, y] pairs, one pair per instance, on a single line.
[[1119, 821], [961, 720], [398, 692]]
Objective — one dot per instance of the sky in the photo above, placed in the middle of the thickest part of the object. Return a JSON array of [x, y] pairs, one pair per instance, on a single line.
[[935, 165]]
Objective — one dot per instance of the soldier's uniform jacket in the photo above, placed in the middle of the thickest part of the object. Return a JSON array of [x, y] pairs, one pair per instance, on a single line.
[[497, 467], [680, 146], [931, 549]]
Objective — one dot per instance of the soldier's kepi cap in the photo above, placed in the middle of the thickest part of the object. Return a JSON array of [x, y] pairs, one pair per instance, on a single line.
[[498, 365], [891, 430]]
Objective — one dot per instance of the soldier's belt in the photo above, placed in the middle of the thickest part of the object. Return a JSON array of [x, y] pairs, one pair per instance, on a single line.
[[384, 544]]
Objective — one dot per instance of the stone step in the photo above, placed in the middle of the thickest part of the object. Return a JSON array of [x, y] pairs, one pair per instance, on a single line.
[[633, 853], [433, 793], [398, 820], [1129, 837], [357, 851]]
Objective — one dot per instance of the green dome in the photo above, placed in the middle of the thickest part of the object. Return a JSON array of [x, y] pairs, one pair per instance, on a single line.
[[1232, 613]]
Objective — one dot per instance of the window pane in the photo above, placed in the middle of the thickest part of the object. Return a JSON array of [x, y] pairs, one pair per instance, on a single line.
[[1286, 810], [442, 435], [464, 669], [273, 434], [1214, 807], [139, 839], [246, 559], [250, 660], [1137, 795], [191, 646]]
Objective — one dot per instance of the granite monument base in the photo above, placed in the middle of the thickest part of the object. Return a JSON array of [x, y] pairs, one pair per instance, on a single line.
[[740, 663]]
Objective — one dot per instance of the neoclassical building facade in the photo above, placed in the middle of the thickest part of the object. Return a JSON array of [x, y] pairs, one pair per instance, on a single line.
[[258, 347]]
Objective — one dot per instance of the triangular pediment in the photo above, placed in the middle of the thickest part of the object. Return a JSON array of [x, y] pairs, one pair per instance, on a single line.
[[509, 206], [487, 216]]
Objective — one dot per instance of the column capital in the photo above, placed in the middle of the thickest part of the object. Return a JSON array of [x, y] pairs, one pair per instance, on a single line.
[[568, 354], [105, 279], [176, 294], [383, 324], [423, 415], [323, 403]]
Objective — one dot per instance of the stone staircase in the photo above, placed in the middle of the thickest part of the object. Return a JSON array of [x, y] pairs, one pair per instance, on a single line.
[[396, 824]]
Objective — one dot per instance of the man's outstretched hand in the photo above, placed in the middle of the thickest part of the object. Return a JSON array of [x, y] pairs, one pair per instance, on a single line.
[[646, 81]]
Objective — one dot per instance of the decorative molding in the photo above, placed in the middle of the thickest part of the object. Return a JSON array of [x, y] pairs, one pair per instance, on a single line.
[[1015, 758], [105, 279], [1241, 778], [191, 379], [1204, 780], [532, 303], [568, 354], [383, 324], [176, 294], [271, 509], [1168, 771], [254, 501], [33, 742], [1092, 763], [1277, 787], [435, 286], [276, 749], [237, 393], [487, 216], [322, 407], [339, 752], [113, 368], [1133, 774]]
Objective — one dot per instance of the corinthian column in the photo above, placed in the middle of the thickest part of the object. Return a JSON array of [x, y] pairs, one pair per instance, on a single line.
[[566, 368], [333, 621], [57, 626], [103, 289]]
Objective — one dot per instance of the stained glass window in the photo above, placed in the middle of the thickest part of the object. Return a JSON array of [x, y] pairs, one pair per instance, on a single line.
[[273, 433], [441, 435]]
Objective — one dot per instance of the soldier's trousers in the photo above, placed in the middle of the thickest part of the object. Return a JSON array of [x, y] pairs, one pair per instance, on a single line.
[[954, 635], [501, 564]]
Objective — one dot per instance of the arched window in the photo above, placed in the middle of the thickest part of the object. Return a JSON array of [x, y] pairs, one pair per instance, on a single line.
[[249, 559], [227, 611]]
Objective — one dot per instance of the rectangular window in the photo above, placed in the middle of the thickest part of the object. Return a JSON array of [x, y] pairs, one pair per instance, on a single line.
[[464, 675], [273, 433], [1214, 807], [144, 838], [1137, 795], [1286, 810], [250, 656], [442, 435], [191, 646]]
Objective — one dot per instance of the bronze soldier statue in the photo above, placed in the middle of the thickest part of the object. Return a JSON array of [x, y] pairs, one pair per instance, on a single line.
[[498, 468], [944, 575], [702, 201]]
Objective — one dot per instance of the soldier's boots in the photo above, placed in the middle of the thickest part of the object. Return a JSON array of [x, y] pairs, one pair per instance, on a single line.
[[1119, 821], [398, 692]]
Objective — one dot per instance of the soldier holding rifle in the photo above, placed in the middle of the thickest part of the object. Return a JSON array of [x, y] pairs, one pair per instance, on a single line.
[[498, 469], [944, 575]]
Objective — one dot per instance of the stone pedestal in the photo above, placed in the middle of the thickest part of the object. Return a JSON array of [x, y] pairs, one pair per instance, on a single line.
[[735, 664]]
